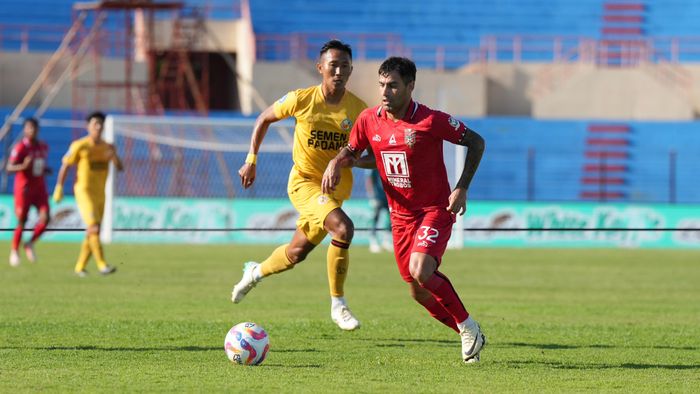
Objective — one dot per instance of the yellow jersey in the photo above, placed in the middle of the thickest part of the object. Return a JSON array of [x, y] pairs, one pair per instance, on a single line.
[[92, 161], [321, 130]]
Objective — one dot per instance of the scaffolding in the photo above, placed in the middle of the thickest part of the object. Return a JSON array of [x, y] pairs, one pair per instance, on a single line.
[[171, 77]]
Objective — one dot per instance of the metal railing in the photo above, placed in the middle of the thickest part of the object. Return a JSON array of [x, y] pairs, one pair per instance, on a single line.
[[26, 38], [511, 48], [517, 48]]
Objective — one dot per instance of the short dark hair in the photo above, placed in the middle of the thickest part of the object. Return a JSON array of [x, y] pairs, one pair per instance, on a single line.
[[31, 120], [97, 114], [404, 66], [335, 44]]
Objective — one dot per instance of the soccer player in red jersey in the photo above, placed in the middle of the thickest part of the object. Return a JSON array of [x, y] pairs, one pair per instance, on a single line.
[[406, 140], [28, 162]]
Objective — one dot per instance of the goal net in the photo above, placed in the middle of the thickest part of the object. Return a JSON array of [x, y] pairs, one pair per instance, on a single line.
[[189, 159], [179, 164], [196, 157]]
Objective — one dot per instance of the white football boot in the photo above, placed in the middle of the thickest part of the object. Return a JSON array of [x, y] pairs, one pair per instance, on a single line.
[[474, 359], [388, 245], [107, 270], [473, 340], [343, 317], [29, 252], [374, 246], [248, 281], [14, 258]]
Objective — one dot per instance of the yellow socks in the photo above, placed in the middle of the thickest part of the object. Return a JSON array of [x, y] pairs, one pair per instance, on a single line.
[[96, 249], [84, 256], [277, 262], [337, 263]]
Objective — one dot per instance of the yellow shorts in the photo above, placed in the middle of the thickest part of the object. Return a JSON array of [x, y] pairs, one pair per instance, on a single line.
[[91, 207], [313, 206]]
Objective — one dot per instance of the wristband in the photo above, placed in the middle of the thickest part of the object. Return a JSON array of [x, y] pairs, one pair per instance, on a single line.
[[252, 158]]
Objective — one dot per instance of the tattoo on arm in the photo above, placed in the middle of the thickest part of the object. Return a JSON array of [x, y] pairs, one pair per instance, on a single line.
[[475, 149], [347, 157]]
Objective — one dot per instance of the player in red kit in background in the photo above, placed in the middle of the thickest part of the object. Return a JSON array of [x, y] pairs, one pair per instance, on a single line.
[[28, 162], [406, 139]]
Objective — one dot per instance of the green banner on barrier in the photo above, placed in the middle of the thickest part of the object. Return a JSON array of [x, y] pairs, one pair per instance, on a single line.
[[583, 216], [249, 215]]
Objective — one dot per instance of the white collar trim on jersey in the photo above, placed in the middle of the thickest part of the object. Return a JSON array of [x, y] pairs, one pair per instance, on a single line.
[[415, 109]]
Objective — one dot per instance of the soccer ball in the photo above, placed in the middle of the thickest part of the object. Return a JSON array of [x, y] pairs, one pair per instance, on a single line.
[[247, 344]]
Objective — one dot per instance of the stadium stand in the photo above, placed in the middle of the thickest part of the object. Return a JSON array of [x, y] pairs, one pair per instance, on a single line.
[[527, 160], [572, 160], [453, 26]]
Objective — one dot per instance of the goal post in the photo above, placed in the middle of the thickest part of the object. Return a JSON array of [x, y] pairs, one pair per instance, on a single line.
[[192, 158], [106, 230]]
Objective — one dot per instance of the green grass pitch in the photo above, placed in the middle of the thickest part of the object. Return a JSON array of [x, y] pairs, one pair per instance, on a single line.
[[557, 321]]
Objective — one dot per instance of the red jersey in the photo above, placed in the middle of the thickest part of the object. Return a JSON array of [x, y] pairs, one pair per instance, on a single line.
[[31, 179], [409, 154]]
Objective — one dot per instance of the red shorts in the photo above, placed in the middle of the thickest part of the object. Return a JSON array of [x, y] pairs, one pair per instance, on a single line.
[[426, 233], [25, 200]]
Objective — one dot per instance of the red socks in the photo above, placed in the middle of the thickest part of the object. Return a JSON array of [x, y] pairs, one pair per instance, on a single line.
[[17, 237], [439, 312], [447, 297], [38, 230]]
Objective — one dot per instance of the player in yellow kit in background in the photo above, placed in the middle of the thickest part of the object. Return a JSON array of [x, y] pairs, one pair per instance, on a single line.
[[324, 117], [91, 156]]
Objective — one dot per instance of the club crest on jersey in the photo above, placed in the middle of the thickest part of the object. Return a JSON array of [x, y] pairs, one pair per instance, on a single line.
[[410, 137], [346, 124], [322, 199], [453, 122], [392, 140], [376, 138]]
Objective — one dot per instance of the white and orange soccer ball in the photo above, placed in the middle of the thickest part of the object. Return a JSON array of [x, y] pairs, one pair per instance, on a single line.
[[247, 344]]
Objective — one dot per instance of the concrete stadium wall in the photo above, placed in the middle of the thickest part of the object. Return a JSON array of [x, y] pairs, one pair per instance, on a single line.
[[460, 94], [587, 92], [613, 93], [18, 71], [579, 92]]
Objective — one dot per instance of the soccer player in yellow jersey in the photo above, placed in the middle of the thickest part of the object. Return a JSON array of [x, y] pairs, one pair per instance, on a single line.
[[324, 117], [91, 155]]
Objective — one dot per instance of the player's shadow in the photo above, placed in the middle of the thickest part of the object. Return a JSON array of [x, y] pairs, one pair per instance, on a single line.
[[308, 350], [582, 366], [556, 346], [297, 351], [551, 346], [403, 342], [120, 348], [166, 349], [285, 366]]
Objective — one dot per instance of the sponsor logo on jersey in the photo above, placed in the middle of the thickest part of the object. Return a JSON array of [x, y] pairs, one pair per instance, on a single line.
[[422, 244], [327, 140], [454, 123], [376, 138], [322, 199], [396, 169], [346, 124], [392, 140], [281, 100], [410, 137]]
